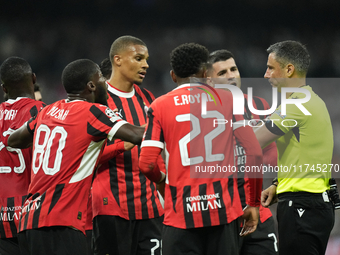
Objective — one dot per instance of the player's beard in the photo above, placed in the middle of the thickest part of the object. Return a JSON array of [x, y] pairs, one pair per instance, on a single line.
[[102, 96]]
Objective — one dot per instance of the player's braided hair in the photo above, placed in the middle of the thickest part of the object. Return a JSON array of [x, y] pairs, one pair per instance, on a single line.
[[14, 69], [291, 52], [77, 74], [187, 59]]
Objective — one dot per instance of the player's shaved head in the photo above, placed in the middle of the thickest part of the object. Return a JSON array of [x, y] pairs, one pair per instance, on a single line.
[[121, 43], [77, 74]]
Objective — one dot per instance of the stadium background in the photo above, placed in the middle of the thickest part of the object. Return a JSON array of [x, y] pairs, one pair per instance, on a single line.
[[50, 34]]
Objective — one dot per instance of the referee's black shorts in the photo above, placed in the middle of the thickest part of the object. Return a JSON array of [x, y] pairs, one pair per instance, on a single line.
[[305, 221]]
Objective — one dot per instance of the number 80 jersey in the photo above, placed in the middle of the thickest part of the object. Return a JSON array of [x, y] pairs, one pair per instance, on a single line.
[[68, 139]]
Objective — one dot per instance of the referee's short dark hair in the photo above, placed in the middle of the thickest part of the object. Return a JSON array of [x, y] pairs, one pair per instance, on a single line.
[[291, 52], [77, 74], [188, 59]]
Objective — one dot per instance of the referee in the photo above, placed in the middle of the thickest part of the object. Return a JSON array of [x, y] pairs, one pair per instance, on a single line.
[[305, 143]]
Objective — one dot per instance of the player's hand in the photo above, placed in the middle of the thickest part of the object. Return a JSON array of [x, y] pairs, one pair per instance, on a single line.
[[250, 220], [128, 146], [269, 196]]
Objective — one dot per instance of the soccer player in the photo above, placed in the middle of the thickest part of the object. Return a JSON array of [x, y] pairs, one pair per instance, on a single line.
[[305, 142], [263, 241], [68, 139], [17, 81], [201, 212], [124, 200]]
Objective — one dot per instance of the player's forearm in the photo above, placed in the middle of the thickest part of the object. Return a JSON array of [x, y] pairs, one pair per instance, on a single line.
[[248, 141], [148, 164], [111, 151], [20, 138]]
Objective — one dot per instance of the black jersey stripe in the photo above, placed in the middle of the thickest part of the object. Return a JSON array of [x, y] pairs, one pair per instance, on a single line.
[[113, 179], [143, 199], [173, 192], [189, 219], [133, 112], [91, 130], [148, 134], [34, 111], [222, 214], [56, 196], [36, 215], [259, 106], [100, 115], [147, 95], [2, 229], [142, 104], [129, 185], [153, 200], [119, 105], [247, 114], [240, 174], [204, 206], [10, 214], [231, 188]]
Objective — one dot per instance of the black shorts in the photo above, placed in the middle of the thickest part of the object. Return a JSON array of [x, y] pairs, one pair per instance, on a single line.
[[89, 241], [222, 239], [262, 242], [305, 222], [9, 246], [58, 240], [118, 236]]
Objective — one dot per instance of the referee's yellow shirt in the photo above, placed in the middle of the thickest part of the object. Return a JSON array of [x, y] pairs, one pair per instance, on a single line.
[[305, 148]]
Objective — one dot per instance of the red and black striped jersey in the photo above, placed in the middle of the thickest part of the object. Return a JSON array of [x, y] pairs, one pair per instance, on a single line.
[[15, 164], [201, 184], [119, 188], [68, 140], [269, 154]]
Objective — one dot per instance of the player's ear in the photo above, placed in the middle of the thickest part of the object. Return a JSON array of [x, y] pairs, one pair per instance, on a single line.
[[173, 76], [3, 88], [34, 78], [91, 86], [290, 68], [117, 60]]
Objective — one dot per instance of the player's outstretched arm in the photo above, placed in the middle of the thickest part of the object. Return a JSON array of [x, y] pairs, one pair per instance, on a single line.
[[20, 138], [130, 133]]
